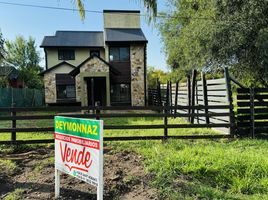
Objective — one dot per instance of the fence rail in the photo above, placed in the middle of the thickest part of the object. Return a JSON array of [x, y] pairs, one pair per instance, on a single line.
[[164, 112], [205, 92], [252, 112]]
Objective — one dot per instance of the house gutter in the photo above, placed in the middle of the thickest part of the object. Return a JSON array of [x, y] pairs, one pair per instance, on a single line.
[[45, 57]]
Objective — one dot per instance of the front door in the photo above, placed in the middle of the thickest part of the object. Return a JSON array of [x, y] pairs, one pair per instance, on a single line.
[[96, 91]]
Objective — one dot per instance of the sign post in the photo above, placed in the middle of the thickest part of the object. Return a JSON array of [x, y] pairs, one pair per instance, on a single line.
[[79, 151]]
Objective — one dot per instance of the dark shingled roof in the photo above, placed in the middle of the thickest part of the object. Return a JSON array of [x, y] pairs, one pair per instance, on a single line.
[[76, 71], [125, 35], [55, 66], [8, 71], [74, 39]]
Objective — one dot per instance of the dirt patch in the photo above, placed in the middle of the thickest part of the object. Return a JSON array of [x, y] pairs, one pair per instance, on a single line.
[[124, 178]]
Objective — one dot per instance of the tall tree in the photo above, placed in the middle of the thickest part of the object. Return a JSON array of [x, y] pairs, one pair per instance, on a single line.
[[2, 50], [23, 55], [215, 34], [154, 75]]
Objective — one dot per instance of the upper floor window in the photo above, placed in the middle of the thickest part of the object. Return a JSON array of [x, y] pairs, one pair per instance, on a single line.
[[119, 54], [66, 54], [95, 53]]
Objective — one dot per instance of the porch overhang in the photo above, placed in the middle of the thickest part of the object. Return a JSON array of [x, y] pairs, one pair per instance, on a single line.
[[76, 71]]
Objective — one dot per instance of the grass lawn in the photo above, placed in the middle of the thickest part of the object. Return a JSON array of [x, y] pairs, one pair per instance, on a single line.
[[107, 121], [206, 169], [188, 169]]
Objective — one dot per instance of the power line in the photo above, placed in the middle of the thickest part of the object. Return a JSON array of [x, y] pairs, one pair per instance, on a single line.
[[48, 7], [95, 11]]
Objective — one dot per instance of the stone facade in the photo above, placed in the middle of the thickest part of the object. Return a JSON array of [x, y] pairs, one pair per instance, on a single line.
[[78, 88], [92, 68], [94, 65], [137, 75], [50, 88]]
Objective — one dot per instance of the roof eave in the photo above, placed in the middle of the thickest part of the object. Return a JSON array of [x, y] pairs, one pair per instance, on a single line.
[[76, 71], [45, 46], [55, 66], [143, 41]]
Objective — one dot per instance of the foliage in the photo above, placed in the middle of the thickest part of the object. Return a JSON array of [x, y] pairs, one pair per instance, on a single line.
[[214, 34], [150, 5], [3, 82], [23, 55], [80, 6], [2, 50], [154, 75]]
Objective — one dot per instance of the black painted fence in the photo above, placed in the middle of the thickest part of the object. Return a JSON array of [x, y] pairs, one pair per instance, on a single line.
[[164, 112], [252, 112]]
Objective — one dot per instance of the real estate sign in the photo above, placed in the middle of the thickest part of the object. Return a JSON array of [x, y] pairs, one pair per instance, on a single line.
[[79, 151]]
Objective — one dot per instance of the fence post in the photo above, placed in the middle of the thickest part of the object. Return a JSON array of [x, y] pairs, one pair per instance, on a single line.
[[167, 94], [159, 93], [166, 111], [189, 96], [176, 97], [205, 95], [230, 100], [193, 94], [170, 95], [197, 101], [165, 124], [14, 124], [252, 112], [97, 113]]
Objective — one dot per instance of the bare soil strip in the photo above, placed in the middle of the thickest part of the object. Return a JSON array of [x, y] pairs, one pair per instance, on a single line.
[[124, 177]]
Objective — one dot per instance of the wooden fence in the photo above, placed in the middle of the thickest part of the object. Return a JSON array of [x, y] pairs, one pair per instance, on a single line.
[[203, 92], [252, 112], [163, 112]]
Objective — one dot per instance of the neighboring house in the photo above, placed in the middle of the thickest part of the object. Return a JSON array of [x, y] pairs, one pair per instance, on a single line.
[[98, 67], [10, 75]]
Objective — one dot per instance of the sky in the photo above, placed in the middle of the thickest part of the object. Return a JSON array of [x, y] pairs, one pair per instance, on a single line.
[[40, 22]]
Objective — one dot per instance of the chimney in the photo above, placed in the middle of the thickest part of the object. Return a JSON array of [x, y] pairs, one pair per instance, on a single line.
[[121, 19]]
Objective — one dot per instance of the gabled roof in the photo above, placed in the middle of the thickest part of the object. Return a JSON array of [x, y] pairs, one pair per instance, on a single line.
[[124, 35], [74, 39], [77, 69], [9, 71], [56, 66]]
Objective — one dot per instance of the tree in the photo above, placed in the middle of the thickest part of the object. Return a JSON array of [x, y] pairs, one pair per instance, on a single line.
[[154, 75], [3, 82], [23, 55], [214, 34], [2, 50]]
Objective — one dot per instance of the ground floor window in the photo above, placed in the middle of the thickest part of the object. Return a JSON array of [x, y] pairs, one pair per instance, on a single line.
[[65, 86], [66, 92], [120, 94]]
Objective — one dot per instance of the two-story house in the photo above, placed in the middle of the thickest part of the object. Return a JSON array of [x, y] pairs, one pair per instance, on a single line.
[[98, 67]]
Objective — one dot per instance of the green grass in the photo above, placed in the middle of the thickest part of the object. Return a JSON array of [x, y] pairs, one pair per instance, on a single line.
[[188, 169], [42, 164], [110, 133], [206, 169], [15, 195], [7, 166]]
